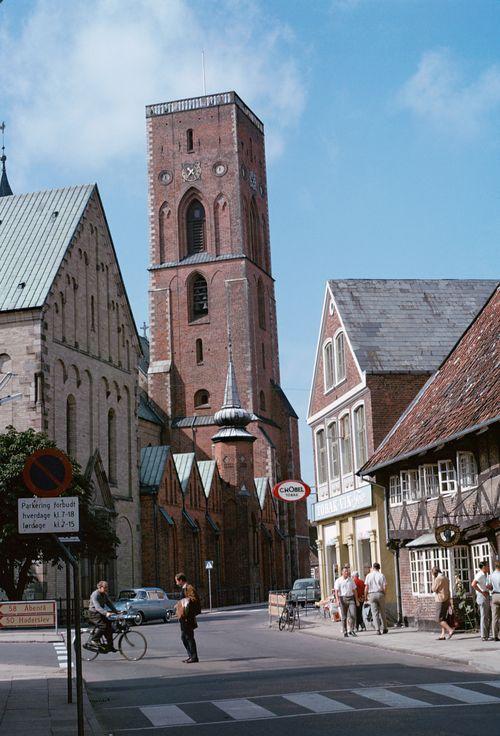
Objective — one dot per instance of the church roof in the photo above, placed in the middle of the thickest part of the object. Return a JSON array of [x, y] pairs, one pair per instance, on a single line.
[[153, 461], [5, 190], [183, 464], [407, 325], [35, 232], [144, 359], [261, 485], [207, 469]]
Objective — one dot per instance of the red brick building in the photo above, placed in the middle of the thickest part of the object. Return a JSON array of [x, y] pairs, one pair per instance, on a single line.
[[440, 468], [211, 284]]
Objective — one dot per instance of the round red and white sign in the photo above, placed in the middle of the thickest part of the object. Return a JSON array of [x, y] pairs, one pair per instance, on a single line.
[[291, 490]]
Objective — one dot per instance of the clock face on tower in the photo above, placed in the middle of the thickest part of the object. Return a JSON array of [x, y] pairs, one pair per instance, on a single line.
[[165, 177], [219, 168]]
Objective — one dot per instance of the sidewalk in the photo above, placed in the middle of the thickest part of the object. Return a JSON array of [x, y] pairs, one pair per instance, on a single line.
[[463, 648]]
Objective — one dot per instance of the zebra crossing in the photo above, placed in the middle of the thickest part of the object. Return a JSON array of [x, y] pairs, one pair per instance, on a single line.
[[333, 702], [61, 654]]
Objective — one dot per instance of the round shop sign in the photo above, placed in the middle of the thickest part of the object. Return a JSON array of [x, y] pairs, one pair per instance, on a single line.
[[291, 490]]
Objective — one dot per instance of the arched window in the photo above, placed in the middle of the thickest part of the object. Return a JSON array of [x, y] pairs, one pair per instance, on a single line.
[[346, 444], [164, 217], [339, 357], [189, 140], [328, 365], [195, 224], [112, 446], [254, 233], [262, 401], [71, 431], [321, 456], [263, 355], [5, 363], [261, 304], [201, 399], [198, 297], [360, 438], [333, 451], [92, 314], [199, 351]]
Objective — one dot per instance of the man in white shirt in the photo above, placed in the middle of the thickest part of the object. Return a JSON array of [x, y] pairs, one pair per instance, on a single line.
[[347, 599], [495, 600], [482, 585], [375, 587]]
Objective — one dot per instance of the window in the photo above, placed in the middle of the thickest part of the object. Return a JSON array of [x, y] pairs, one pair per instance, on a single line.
[[199, 351], [261, 304], [346, 444], [189, 140], [454, 563], [263, 355], [199, 297], [461, 568], [447, 478], [262, 401], [254, 233], [71, 431], [339, 358], [467, 470], [92, 314], [409, 486], [321, 456], [429, 480], [395, 498], [359, 427], [195, 223], [112, 446], [481, 552], [328, 365], [333, 447], [201, 399], [5, 363]]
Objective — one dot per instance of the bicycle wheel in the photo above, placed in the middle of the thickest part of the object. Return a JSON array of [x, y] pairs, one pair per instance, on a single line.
[[87, 654], [132, 645], [291, 620], [282, 620]]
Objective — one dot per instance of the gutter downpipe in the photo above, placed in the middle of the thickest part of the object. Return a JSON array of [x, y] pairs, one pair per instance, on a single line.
[[394, 547]]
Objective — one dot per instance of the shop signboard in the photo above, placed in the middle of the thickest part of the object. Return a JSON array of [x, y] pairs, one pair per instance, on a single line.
[[291, 490], [344, 503]]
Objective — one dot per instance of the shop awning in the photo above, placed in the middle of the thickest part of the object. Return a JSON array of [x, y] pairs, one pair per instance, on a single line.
[[425, 540]]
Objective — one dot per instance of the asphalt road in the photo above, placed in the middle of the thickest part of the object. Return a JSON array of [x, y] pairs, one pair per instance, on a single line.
[[255, 681]]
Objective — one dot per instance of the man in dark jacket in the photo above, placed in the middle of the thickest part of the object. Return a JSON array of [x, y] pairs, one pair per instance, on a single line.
[[187, 609], [100, 609]]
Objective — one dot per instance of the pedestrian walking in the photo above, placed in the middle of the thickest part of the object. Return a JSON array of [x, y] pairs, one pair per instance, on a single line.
[[186, 610], [347, 600], [495, 600], [442, 596], [482, 585], [360, 587], [375, 587]]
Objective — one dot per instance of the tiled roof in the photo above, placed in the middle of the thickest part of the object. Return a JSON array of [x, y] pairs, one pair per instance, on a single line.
[[35, 232], [261, 485], [196, 421], [153, 461], [407, 325], [203, 257], [463, 395], [207, 469], [183, 464]]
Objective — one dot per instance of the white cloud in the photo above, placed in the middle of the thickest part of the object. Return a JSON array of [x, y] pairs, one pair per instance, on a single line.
[[80, 74], [438, 93]]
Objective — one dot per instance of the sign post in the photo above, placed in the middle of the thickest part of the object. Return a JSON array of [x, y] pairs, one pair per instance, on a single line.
[[208, 567]]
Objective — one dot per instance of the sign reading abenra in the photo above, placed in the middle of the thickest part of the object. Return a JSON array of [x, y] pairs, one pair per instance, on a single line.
[[25, 614], [291, 490]]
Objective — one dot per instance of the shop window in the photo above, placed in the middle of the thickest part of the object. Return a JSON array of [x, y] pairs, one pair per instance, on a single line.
[[328, 366], [321, 456], [453, 562], [346, 444], [467, 470], [447, 477], [481, 552], [360, 429]]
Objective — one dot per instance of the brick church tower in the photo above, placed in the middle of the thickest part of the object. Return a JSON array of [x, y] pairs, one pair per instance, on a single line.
[[211, 282]]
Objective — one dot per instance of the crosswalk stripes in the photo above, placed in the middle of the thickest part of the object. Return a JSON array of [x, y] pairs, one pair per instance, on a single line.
[[62, 655], [316, 703]]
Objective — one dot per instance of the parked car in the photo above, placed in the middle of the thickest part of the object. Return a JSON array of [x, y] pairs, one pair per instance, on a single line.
[[305, 590], [146, 604]]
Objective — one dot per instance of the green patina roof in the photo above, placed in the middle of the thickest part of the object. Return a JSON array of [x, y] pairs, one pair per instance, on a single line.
[[35, 232], [183, 464], [153, 461], [261, 485], [207, 469]]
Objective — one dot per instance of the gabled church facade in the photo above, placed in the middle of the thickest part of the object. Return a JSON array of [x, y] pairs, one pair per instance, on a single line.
[[69, 347]]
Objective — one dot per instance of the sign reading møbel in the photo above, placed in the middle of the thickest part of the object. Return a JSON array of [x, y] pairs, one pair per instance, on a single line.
[[360, 498], [47, 515]]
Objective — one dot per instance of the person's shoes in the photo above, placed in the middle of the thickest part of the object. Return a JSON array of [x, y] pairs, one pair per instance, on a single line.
[[346, 634], [91, 646], [484, 638], [353, 633], [496, 638], [111, 649], [385, 631], [191, 660], [379, 633]]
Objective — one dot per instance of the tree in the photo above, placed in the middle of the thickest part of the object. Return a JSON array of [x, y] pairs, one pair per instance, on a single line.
[[18, 553]]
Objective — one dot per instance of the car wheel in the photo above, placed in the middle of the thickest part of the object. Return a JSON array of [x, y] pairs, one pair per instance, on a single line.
[[138, 618]]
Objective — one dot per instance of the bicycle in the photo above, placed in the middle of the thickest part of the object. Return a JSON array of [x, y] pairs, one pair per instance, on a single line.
[[131, 644], [288, 617]]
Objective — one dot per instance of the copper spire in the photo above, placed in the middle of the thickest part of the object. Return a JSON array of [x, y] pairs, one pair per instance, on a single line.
[[5, 190]]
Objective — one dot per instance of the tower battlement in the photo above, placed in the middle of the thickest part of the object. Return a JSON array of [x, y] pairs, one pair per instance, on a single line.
[[205, 101]]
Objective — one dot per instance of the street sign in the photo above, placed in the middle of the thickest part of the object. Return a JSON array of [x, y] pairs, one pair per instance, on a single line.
[[48, 473], [48, 515], [24, 614], [291, 490], [209, 564]]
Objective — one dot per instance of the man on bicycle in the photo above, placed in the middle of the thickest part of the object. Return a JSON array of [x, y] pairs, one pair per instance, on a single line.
[[99, 616]]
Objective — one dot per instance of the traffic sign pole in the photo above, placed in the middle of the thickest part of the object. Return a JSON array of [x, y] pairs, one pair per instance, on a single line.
[[210, 589]]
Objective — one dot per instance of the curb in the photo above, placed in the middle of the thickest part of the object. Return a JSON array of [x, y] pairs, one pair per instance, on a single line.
[[96, 729]]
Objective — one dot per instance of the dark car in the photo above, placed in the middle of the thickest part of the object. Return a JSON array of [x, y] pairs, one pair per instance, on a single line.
[[146, 604], [305, 590]]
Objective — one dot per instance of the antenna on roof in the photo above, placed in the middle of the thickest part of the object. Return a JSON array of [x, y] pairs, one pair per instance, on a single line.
[[203, 71]]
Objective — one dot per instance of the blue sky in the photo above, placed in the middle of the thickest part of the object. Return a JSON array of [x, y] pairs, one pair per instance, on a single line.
[[382, 121]]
